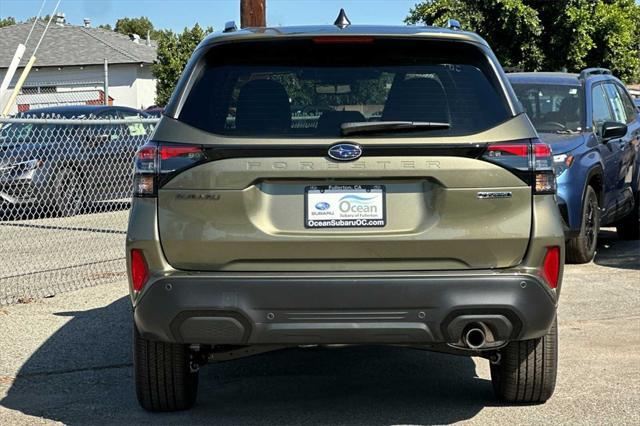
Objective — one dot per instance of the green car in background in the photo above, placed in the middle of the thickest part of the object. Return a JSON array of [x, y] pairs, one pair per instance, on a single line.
[[344, 185]]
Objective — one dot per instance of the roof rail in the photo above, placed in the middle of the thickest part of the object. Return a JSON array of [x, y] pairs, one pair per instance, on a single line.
[[594, 71], [453, 24], [230, 27]]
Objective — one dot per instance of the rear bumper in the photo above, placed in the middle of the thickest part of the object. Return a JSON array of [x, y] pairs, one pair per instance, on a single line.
[[569, 198], [313, 309]]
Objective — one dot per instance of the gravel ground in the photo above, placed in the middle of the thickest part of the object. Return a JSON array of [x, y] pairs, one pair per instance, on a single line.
[[50, 255], [67, 359]]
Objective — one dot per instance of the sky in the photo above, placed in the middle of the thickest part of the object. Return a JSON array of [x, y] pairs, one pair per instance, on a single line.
[[177, 14]]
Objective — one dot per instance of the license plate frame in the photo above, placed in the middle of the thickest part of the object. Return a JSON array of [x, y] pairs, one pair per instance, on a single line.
[[370, 203]]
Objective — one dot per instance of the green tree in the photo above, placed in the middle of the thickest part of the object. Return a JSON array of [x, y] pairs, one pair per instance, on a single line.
[[616, 39], [509, 26], [105, 27], [9, 20], [174, 50], [568, 25], [582, 33], [552, 35], [44, 19], [140, 26]]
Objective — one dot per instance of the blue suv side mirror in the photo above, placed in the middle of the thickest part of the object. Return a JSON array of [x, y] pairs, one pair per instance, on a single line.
[[613, 130]]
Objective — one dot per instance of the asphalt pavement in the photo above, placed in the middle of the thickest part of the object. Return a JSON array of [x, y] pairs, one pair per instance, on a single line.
[[68, 359]]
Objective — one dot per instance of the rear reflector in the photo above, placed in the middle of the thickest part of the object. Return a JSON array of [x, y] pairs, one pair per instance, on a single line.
[[551, 266], [139, 270]]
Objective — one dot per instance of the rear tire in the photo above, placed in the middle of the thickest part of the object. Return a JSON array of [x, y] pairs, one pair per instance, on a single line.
[[582, 248], [67, 196], [527, 370], [163, 377], [629, 227]]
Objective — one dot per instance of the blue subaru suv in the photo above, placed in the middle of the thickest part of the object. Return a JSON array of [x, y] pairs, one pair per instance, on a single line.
[[592, 125]]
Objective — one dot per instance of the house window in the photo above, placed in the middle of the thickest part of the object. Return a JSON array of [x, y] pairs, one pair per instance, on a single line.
[[38, 89]]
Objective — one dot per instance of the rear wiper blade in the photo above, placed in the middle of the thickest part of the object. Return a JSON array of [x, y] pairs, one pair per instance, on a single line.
[[390, 126], [566, 132]]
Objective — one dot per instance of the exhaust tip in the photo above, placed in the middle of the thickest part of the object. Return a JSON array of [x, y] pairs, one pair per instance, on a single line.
[[474, 337]]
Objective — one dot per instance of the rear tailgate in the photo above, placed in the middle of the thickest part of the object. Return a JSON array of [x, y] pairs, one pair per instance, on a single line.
[[270, 197], [249, 215]]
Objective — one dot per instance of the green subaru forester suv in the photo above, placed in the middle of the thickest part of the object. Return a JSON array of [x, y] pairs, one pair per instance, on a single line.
[[341, 185]]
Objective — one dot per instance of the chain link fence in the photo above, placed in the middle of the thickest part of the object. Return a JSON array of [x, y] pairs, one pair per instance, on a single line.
[[65, 186], [39, 93]]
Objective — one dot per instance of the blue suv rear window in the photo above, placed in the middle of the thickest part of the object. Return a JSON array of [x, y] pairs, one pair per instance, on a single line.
[[552, 108]]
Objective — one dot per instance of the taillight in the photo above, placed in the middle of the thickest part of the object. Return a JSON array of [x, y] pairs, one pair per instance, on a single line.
[[156, 162], [518, 150], [551, 266], [139, 270], [545, 178], [561, 163], [168, 152], [145, 169], [531, 160]]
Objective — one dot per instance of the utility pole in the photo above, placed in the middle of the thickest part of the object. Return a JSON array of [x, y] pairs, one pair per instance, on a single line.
[[253, 13], [106, 82]]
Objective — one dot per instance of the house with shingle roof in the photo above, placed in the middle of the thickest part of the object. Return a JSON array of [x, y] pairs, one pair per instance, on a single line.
[[69, 67]]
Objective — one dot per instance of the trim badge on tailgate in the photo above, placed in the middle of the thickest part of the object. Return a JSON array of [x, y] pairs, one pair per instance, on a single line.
[[199, 197], [484, 195]]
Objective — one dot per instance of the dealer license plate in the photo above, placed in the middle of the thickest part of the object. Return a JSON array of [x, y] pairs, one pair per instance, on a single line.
[[345, 206]]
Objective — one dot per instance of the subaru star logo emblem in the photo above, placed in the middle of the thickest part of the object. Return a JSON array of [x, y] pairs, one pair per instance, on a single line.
[[345, 152], [322, 205]]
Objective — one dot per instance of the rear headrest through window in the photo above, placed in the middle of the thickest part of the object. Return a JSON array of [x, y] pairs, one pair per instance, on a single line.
[[417, 99], [263, 106]]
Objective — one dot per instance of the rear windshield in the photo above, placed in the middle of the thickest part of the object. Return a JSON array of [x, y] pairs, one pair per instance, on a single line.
[[310, 88], [552, 108]]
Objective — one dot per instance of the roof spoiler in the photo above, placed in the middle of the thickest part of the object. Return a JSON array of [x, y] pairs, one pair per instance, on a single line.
[[594, 71], [454, 24], [230, 27]]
